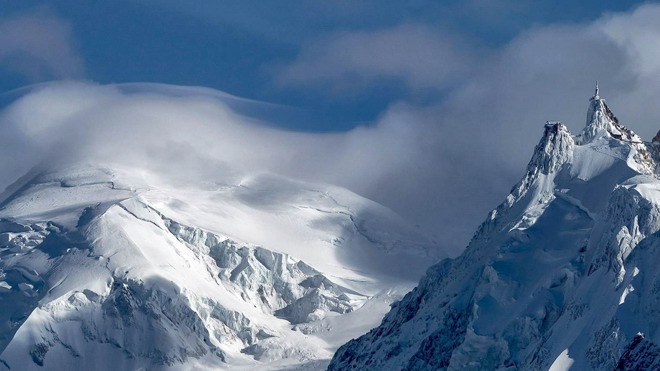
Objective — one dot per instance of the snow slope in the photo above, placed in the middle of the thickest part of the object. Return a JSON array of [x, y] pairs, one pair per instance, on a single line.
[[562, 275], [106, 267]]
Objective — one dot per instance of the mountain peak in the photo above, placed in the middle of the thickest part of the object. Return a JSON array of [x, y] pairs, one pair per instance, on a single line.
[[601, 122], [558, 276], [104, 258], [553, 148]]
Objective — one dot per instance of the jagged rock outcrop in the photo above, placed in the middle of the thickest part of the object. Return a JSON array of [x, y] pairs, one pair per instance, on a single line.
[[275, 282], [640, 354]]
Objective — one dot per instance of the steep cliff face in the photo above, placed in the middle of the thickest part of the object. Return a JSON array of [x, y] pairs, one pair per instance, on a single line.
[[103, 269], [563, 274]]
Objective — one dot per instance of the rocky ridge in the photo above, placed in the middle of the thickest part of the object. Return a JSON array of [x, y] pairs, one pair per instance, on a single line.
[[562, 275]]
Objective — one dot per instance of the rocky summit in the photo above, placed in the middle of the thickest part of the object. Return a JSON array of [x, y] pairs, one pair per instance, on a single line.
[[563, 274]]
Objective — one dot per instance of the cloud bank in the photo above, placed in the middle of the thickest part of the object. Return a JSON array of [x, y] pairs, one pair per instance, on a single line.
[[443, 166], [415, 54]]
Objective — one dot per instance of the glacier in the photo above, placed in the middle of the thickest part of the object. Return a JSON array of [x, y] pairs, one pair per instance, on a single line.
[[562, 275], [106, 266]]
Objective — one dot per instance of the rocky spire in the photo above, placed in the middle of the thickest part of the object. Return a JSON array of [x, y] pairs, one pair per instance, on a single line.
[[554, 149], [600, 121]]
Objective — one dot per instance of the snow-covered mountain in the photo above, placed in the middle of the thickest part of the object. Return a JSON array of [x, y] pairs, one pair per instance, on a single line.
[[107, 267], [564, 274]]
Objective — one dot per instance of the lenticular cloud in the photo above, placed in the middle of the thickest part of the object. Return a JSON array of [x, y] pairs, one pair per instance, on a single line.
[[177, 130]]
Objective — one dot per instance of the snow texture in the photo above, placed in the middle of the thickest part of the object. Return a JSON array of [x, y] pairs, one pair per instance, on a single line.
[[106, 268], [562, 275]]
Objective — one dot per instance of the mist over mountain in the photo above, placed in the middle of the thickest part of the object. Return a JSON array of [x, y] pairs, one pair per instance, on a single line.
[[562, 275], [247, 185], [107, 265]]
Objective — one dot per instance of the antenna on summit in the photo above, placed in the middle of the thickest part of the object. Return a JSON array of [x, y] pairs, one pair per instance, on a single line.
[[596, 91]]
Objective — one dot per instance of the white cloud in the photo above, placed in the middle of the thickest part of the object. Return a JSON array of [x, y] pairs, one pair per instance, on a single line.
[[418, 55], [39, 46], [444, 167], [463, 155], [108, 123]]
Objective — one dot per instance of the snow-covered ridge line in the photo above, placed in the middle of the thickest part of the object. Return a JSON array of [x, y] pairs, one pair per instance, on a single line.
[[563, 274], [275, 282], [95, 260]]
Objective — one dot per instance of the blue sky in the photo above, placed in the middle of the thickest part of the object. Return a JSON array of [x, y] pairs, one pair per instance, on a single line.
[[245, 47], [431, 108]]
